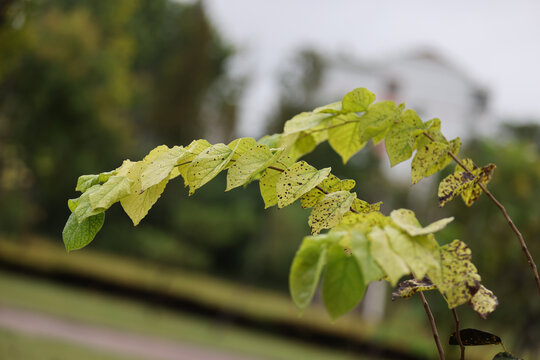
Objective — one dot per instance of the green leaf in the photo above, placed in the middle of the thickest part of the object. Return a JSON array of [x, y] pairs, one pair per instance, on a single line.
[[392, 264], [85, 182], [161, 166], [249, 164], [473, 337], [344, 135], [420, 253], [360, 248], [298, 180], [329, 211], [305, 121], [207, 165], [84, 207], [400, 138], [72, 204], [364, 207], [306, 271], [376, 122], [77, 235], [343, 283], [503, 355], [358, 100], [484, 302], [304, 144], [457, 279], [116, 188], [271, 141], [407, 221], [408, 288], [269, 179]]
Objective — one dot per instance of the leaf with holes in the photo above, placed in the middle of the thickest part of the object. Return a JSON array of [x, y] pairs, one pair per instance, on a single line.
[[457, 278], [328, 212], [297, 180]]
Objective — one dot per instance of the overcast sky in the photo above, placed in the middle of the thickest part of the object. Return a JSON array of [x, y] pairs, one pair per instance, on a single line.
[[497, 43]]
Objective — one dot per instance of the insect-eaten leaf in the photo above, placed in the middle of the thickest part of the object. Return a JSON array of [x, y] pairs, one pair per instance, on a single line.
[[297, 180], [408, 288], [453, 185], [457, 279], [484, 302], [328, 212], [483, 176], [474, 337]]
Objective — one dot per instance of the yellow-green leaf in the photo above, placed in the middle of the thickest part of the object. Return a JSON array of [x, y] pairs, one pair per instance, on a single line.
[[358, 100], [329, 185], [343, 283], [457, 279], [406, 220], [241, 146], [408, 288], [194, 149], [392, 264], [298, 180], [304, 121], [249, 164], [364, 207], [328, 212], [344, 135], [116, 188], [420, 253], [207, 165], [84, 208], [376, 122], [484, 302], [333, 108], [269, 179], [472, 192], [84, 182], [306, 270], [400, 138], [161, 166], [426, 159], [453, 185]]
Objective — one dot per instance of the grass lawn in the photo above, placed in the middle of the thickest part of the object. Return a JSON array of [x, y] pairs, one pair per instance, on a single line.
[[122, 314], [15, 346]]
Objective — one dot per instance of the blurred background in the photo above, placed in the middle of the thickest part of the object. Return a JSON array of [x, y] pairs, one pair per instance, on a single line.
[[85, 84]]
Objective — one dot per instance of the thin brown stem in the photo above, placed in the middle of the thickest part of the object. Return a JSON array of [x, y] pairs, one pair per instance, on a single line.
[[506, 216], [433, 325], [458, 335]]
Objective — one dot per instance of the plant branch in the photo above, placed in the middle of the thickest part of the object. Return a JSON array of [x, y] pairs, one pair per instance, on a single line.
[[506, 216], [433, 325], [458, 335]]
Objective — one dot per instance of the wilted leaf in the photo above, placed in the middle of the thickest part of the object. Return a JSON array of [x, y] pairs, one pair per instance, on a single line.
[[328, 212], [407, 221], [457, 279], [484, 302], [408, 288], [472, 191], [505, 356], [473, 337], [298, 180], [453, 185], [343, 284]]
